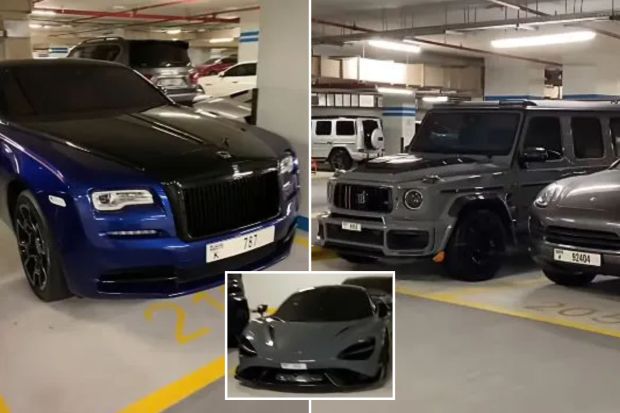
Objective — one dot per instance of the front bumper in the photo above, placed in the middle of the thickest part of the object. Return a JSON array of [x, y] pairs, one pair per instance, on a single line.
[[383, 237], [165, 267]]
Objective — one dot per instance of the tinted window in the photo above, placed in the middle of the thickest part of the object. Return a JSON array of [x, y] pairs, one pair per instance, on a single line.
[[107, 52], [383, 284], [614, 124], [545, 132], [324, 127], [326, 304], [489, 133], [153, 54], [73, 89], [229, 60], [248, 69], [369, 127], [587, 137], [345, 127]]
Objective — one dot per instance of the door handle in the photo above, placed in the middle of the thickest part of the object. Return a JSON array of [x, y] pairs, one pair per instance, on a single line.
[[567, 174]]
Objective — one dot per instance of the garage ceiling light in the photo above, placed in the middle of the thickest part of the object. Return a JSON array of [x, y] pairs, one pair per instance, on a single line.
[[435, 99], [221, 40], [396, 46], [395, 91], [38, 12], [173, 31], [36, 26], [545, 40]]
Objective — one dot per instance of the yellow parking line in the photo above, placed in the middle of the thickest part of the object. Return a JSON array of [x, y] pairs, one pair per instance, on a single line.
[[3, 406], [176, 392], [457, 299], [209, 299], [319, 254], [303, 241]]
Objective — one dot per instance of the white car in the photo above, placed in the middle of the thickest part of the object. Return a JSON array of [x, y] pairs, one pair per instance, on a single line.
[[235, 79]]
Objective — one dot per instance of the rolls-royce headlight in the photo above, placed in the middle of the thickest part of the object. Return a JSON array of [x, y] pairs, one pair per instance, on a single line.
[[117, 200], [413, 199], [547, 195], [287, 164]]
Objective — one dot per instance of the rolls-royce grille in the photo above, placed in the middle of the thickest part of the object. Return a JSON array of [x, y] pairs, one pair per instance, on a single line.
[[221, 206], [582, 238], [363, 198]]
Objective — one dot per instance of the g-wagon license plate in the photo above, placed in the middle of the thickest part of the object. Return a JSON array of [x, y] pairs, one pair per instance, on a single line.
[[351, 226], [240, 245], [576, 257]]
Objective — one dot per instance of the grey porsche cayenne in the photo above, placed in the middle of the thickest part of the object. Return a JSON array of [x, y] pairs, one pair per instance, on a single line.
[[575, 228], [326, 338]]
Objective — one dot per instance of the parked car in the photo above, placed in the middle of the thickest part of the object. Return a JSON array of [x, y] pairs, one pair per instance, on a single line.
[[235, 79], [129, 194], [314, 341], [462, 193], [344, 140], [214, 66], [164, 62], [238, 108], [379, 288], [575, 225], [238, 312]]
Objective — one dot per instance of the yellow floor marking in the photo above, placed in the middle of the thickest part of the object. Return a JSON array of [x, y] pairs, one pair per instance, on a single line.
[[303, 241], [456, 299], [182, 337], [209, 299], [486, 288], [181, 389], [319, 254], [3, 407]]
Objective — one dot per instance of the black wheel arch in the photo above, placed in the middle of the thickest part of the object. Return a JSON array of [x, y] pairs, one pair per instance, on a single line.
[[13, 189], [491, 202]]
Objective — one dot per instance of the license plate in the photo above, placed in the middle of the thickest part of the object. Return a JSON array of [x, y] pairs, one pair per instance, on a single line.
[[576, 257], [352, 226], [294, 366], [172, 82], [240, 245]]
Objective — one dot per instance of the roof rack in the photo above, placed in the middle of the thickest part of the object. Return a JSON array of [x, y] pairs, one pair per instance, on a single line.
[[103, 39]]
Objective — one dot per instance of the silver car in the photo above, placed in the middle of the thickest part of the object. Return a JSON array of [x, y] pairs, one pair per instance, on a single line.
[[462, 193]]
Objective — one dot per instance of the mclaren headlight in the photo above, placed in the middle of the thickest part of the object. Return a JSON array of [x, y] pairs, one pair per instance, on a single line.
[[413, 199], [362, 350], [246, 348], [287, 164], [548, 195], [117, 200]]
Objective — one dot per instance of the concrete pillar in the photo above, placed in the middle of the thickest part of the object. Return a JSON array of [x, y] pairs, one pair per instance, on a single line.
[[399, 114], [14, 29], [507, 78], [249, 22], [283, 86], [595, 78]]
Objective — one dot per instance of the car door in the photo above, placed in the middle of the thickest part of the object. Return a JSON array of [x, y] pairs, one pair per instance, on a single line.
[[238, 78], [322, 130], [548, 130], [591, 141]]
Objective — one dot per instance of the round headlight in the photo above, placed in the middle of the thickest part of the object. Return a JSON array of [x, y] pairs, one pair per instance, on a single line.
[[287, 164], [413, 199], [547, 195]]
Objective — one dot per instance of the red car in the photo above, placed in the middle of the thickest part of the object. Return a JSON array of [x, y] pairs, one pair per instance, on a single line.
[[214, 66]]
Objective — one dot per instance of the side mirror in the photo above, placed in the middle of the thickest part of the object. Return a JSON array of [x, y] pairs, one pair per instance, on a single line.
[[261, 309], [533, 154], [382, 309]]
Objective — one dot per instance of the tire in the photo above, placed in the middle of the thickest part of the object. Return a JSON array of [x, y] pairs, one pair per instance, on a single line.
[[357, 259], [340, 159], [385, 358], [569, 279], [476, 248], [40, 259]]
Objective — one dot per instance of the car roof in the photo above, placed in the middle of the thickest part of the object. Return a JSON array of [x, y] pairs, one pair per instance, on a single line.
[[568, 105], [43, 63]]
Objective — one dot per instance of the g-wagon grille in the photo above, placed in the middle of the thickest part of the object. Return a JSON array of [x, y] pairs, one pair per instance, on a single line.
[[582, 238], [363, 198], [224, 205]]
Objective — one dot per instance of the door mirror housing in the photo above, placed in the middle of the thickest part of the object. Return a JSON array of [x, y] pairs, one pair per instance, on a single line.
[[261, 309], [533, 154], [382, 309]]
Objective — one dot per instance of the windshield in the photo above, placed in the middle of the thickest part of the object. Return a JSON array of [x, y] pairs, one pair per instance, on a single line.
[[464, 132], [325, 304], [383, 284], [154, 54], [36, 91]]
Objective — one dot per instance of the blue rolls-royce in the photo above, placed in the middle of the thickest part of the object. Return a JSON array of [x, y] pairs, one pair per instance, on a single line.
[[112, 189]]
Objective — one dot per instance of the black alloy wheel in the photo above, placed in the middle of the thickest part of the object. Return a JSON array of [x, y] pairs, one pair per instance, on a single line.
[[340, 159]]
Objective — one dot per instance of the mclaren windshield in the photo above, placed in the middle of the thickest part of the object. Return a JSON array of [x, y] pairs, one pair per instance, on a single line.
[[326, 304], [490, 133]]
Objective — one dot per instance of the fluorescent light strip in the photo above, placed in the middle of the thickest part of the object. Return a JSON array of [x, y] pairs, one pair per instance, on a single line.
[[395, 91], [545, 40], [221, 40], [435, 99], [395, 46]]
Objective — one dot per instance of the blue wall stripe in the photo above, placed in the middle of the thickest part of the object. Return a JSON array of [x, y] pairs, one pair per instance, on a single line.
[[401, 111], [252, 33], [401, 115], [252, 40], [303, 223], [400, 108]]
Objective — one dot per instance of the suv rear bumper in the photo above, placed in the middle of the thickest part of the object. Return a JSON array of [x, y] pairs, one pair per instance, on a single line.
[[384, 237]]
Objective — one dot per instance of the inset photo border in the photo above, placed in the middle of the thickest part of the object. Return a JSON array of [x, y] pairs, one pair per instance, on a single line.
[[310, 335]]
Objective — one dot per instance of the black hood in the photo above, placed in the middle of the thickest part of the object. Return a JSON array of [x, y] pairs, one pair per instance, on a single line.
[[167, 142], [411, 162]]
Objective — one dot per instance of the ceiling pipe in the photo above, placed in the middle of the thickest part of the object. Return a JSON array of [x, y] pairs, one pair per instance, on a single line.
[[439, 44], [93, 14]]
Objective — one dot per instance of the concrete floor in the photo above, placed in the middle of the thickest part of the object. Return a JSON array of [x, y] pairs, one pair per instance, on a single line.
[[516, 343], [106, 356]]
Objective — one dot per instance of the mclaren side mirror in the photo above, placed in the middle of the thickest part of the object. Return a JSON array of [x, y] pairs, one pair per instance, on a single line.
[[261, 309], [382, 310], [533, 154]]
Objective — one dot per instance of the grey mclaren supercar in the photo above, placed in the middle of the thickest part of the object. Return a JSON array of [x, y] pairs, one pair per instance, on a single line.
[[330, 338]]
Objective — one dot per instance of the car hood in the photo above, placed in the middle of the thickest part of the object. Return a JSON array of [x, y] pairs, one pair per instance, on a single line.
[[167, 142], [596, 192], [407, 167], [296, 341]]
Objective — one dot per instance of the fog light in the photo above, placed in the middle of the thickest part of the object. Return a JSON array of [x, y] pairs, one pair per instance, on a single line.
[[137, 233]]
